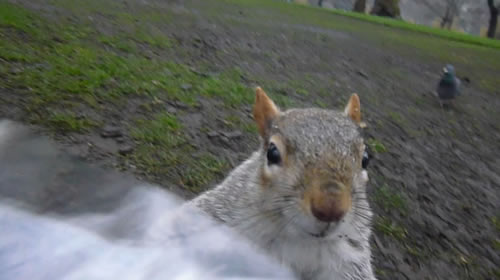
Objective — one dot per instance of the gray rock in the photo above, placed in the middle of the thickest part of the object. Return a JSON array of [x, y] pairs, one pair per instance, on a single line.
[[125, 150], [362, 74], [180, 105], [233, 135], [225, 140], [171, 110], [16, 70], [186, 86], [199, 73], [212, 134], [111, 132], [198, 106]]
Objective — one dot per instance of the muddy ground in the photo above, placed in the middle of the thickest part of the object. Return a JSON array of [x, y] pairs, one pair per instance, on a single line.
[[435, 183]]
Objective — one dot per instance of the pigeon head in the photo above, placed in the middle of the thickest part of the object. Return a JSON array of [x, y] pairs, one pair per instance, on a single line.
[[449, 73], [449, 70]]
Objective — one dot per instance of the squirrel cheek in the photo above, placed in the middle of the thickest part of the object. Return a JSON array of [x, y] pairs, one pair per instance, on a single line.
[[270, 170], [266, 175], [364, 176]]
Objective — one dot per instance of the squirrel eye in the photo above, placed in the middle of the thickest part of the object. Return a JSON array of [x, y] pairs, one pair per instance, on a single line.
[[365, 160], [273, 155]]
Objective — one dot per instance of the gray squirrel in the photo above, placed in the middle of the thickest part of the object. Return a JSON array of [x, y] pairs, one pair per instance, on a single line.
[[301, 197]]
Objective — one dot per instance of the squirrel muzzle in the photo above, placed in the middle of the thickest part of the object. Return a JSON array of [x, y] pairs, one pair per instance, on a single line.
[[328, 204], [328, 209]]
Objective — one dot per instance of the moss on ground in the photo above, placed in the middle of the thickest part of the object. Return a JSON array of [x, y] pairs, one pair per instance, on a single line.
[[70, 65]]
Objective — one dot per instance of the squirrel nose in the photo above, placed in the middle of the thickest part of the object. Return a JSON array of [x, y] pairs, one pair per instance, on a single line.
[[327, 211]]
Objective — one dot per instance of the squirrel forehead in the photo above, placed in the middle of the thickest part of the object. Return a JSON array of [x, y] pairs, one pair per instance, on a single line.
[[317, 131]]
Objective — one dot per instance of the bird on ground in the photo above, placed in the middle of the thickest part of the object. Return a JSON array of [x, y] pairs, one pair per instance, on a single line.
[[449, 86]]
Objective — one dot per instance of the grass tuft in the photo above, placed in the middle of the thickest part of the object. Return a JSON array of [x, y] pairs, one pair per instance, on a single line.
[[496, 223], [397, 118], [390, 228], [496, 244], [390, 200], [68, 122], [376, 145], [164, 150], [207, 168]]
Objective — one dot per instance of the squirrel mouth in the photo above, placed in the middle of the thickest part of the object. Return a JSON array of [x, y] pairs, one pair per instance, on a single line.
[[319, 235], [322, 233]]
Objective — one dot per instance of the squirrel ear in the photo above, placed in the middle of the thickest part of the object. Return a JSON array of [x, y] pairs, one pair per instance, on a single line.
[[264, 111], [353, 109]]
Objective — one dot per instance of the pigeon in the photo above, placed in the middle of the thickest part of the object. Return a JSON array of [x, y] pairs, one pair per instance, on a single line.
[[449, 85]]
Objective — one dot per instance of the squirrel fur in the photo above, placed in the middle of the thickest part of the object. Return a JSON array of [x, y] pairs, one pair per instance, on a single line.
[[301, 197]]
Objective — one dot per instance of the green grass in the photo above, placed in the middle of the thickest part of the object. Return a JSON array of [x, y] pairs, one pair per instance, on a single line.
[[395, 36], [236, 122], [380, 272], [376, 146], [397, 118], [228, 87], [496, 223], [151, 36], [68, 122], [202, 172], [72, 65], [414, 251], [496, 244], [163, 149], [128, 42], [78, 68], [163, 130], [20, 19], [69, 62], [394, 23], [68, 68], [443, 33], [390, 200], [315, 14], [117, 43], [250, 128], [321, 104], [390, 228], [496, 273], [160, 142]]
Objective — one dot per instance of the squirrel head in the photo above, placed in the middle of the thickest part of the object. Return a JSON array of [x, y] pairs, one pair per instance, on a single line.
[[311, 162]]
